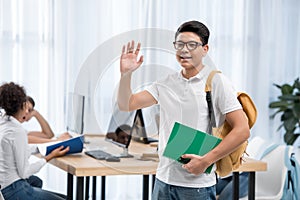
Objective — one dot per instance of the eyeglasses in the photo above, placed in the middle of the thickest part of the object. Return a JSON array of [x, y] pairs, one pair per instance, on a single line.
[[191, 45]]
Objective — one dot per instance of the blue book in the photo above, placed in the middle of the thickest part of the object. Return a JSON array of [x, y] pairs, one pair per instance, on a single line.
[[75, 144], [186, 140]]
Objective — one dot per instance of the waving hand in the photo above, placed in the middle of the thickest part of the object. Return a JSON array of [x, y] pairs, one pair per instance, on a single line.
[[128, 61]]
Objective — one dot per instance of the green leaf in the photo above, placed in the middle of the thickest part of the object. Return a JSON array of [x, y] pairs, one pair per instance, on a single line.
[[290, 138], [278, 104], [297, 84], [288, 114], [289, 97], [287, 89], [296, 110], [277, 112], [279, 127], [290, 124], [278, 86]]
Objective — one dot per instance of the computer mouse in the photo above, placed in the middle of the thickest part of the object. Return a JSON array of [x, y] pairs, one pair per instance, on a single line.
[[112, 159]]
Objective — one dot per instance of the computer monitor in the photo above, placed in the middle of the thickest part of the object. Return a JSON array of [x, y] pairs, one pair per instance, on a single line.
[[75, 113], [139, 133]]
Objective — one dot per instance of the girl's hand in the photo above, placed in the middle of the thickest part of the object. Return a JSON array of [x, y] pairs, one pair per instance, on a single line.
[[59, 151]]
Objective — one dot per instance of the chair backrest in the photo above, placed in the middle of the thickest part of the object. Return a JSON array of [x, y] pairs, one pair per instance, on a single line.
[[270, 184], [256, 147], [1, 196]]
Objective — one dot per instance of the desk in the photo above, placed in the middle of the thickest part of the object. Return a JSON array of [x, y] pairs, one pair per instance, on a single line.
[[251, 166], [81, 165]]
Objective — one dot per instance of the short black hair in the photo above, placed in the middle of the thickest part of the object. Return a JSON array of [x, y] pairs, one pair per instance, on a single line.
[[196, 27], [12, 98], [30, 99], [123, 128]]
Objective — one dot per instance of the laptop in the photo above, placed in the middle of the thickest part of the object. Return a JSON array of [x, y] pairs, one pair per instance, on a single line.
[[118, 133]]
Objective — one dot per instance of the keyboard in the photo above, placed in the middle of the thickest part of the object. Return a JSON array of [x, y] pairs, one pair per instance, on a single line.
[[98, 154]]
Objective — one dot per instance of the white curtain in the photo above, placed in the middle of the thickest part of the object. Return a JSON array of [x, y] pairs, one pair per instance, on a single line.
[[46, 45]]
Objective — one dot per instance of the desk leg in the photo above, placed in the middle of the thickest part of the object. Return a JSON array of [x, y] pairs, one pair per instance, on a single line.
[[236, 187], [153, 181], [79, 192], [103, 187], [87, 187], [251, 186], [94, 187], [145, 187], [70, 187]]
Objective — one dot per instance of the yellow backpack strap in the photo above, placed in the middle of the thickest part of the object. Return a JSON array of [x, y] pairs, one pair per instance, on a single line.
[[209, 78]]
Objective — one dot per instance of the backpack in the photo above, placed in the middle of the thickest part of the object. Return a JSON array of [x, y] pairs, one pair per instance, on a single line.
[[291, 190], [232, 161]]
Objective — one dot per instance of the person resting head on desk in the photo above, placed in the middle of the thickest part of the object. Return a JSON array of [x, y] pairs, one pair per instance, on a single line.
[[121, 134], [15, 150], [46, 134]]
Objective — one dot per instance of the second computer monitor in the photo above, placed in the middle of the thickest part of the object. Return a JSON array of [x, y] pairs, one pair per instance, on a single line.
[[138, 132], [75, 113]]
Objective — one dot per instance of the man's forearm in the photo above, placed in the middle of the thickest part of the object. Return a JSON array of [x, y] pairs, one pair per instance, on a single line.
[[230, 143], [124, 92]]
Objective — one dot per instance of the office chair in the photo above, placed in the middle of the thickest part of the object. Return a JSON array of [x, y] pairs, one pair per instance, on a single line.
[[269, 184], [1, 196]]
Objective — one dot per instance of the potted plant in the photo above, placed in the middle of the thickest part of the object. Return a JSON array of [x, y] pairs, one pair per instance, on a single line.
[[288, 105]]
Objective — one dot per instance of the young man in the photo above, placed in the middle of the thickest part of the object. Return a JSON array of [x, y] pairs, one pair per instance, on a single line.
[[182, 98]]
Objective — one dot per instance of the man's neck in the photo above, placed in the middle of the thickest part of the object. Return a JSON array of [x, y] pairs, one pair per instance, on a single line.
[[189, 73]]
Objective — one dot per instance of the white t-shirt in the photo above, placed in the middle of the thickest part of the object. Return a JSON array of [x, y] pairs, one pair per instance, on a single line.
[[184, 100], [15, 152]]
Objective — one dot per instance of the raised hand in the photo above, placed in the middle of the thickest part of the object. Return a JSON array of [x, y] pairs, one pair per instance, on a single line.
[[128, 61]]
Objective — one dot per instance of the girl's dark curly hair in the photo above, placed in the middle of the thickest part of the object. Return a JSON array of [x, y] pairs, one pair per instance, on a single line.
[[12, 98]]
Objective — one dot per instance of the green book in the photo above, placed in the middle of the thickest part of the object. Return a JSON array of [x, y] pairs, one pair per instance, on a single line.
[[186, 140]]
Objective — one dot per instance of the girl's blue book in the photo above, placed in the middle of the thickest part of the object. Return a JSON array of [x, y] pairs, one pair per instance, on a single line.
[[75, 144]]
